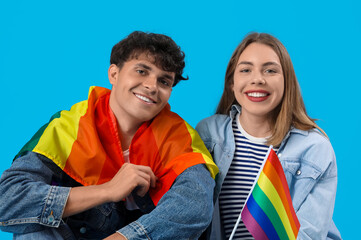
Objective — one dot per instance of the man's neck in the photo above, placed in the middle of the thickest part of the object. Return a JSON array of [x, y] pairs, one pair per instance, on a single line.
[[127, 127], [127, 131]]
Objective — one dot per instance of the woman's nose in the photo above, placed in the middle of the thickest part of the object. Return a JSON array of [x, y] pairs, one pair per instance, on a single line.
[[258, 79]]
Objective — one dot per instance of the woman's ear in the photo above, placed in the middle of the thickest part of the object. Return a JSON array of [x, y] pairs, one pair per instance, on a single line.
[[113, 73]]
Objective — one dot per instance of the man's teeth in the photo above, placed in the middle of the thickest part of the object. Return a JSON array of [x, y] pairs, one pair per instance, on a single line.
[[144, 98], [257, 94]]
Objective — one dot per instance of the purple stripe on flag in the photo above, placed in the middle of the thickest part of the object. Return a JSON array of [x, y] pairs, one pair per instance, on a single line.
[[253, 227]]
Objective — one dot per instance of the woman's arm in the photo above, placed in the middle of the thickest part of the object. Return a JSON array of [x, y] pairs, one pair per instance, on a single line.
[[313, 185]]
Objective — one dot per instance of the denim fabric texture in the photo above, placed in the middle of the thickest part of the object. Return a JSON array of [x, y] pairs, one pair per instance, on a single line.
[[34, 192], [308, 161]]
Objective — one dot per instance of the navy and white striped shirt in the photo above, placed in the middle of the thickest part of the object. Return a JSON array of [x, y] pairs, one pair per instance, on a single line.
[[247, 161]]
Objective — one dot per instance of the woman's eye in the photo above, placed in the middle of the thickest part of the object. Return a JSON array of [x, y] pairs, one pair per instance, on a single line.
[[271, 71], [245, 70]]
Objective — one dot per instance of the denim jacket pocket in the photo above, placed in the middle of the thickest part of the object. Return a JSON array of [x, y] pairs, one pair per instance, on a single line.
[[301, 178], [97, 222]]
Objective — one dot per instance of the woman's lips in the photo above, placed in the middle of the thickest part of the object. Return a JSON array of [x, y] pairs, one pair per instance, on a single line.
[[257, 96]]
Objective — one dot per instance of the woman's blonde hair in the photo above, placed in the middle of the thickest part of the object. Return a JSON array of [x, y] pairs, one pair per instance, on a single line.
[[291, 111]]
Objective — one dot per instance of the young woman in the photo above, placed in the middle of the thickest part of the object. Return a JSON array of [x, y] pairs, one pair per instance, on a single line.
[[261, 106]]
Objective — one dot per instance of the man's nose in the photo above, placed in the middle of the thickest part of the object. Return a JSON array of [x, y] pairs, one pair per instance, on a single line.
[[150, 83]]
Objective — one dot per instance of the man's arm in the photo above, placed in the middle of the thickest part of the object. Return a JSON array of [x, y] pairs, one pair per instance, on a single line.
[[29, 202], [128, 178], [184, 212], [39, 204]]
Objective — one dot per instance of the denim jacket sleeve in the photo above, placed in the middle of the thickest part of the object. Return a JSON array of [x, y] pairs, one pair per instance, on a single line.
[[184, 212], [27, 196], [311, 172]]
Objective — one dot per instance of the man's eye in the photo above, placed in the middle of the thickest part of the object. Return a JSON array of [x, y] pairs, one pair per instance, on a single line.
[[165, 82], [142, 72]]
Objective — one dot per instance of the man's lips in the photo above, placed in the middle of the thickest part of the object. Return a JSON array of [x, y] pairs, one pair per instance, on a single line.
[[144, 98], [257, 96]]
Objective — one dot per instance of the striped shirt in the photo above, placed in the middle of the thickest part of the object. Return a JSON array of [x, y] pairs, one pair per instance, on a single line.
[[249, 155]]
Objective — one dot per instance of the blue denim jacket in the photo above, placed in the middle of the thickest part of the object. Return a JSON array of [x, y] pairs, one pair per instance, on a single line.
[[32, 203], [309, 164]]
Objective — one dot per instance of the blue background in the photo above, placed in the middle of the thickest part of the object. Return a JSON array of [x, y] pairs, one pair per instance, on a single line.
[[52, 51]]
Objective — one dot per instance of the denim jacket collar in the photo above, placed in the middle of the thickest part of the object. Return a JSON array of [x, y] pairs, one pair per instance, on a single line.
[[238, 109]]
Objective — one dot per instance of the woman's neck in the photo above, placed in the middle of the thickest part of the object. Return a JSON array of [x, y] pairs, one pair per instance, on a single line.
[[255, 126]]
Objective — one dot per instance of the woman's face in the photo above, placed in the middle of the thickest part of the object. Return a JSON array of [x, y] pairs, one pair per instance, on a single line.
[[258, 80]]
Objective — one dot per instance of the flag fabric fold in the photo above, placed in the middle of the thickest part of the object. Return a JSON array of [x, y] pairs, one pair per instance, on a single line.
[[84, 142], [268, 212]]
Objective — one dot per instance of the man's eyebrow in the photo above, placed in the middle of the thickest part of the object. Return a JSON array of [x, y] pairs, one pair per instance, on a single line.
[[168, 76], [143, 66]]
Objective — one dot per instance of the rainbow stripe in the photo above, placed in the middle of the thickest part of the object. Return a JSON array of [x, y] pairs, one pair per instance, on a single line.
[[268, 212], [84, 142]]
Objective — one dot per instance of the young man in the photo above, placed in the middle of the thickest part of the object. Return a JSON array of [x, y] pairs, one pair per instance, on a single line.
[[119, 165]]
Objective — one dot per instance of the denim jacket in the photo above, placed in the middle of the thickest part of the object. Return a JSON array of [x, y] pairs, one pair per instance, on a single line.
[[309, 164], [34, 194]]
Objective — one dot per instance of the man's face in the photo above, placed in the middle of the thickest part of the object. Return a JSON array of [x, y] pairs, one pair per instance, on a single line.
[[140, 90]]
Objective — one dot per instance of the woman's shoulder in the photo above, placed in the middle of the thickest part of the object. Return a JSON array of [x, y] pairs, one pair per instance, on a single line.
[[310, 137], [214, 121], [312, 146], [216, 126], [215, 118]]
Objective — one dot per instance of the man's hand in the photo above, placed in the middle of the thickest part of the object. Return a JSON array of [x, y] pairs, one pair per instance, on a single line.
[[116, 236], [128, 178]]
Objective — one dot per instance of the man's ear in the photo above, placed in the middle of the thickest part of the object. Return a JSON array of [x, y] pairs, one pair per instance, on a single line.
[[113, 71]]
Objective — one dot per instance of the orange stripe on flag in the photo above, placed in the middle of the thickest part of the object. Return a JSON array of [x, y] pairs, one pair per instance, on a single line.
[[278, 168], [272, 175]]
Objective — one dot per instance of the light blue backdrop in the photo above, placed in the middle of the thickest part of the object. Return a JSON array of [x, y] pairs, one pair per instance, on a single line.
[[52, 51]]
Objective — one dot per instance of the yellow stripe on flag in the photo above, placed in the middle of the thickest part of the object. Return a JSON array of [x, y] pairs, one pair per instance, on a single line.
[[199, 147], [268, 188], [61, 134]]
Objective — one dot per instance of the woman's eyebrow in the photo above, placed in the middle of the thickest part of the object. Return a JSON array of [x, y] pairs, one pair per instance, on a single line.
[[270, 64], [246, 63]]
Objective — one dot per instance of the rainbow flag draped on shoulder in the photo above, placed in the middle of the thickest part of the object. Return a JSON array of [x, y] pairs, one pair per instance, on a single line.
[[268, 212], [84, 143]]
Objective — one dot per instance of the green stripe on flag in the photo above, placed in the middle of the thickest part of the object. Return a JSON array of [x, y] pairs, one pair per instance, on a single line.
[[29, 146], [267, 207]]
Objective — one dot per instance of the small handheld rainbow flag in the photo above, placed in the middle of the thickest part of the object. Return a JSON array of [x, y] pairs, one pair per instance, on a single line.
[[268, 212]]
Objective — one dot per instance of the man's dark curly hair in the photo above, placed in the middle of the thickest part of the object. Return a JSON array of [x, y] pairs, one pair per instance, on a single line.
[[166, 53]]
